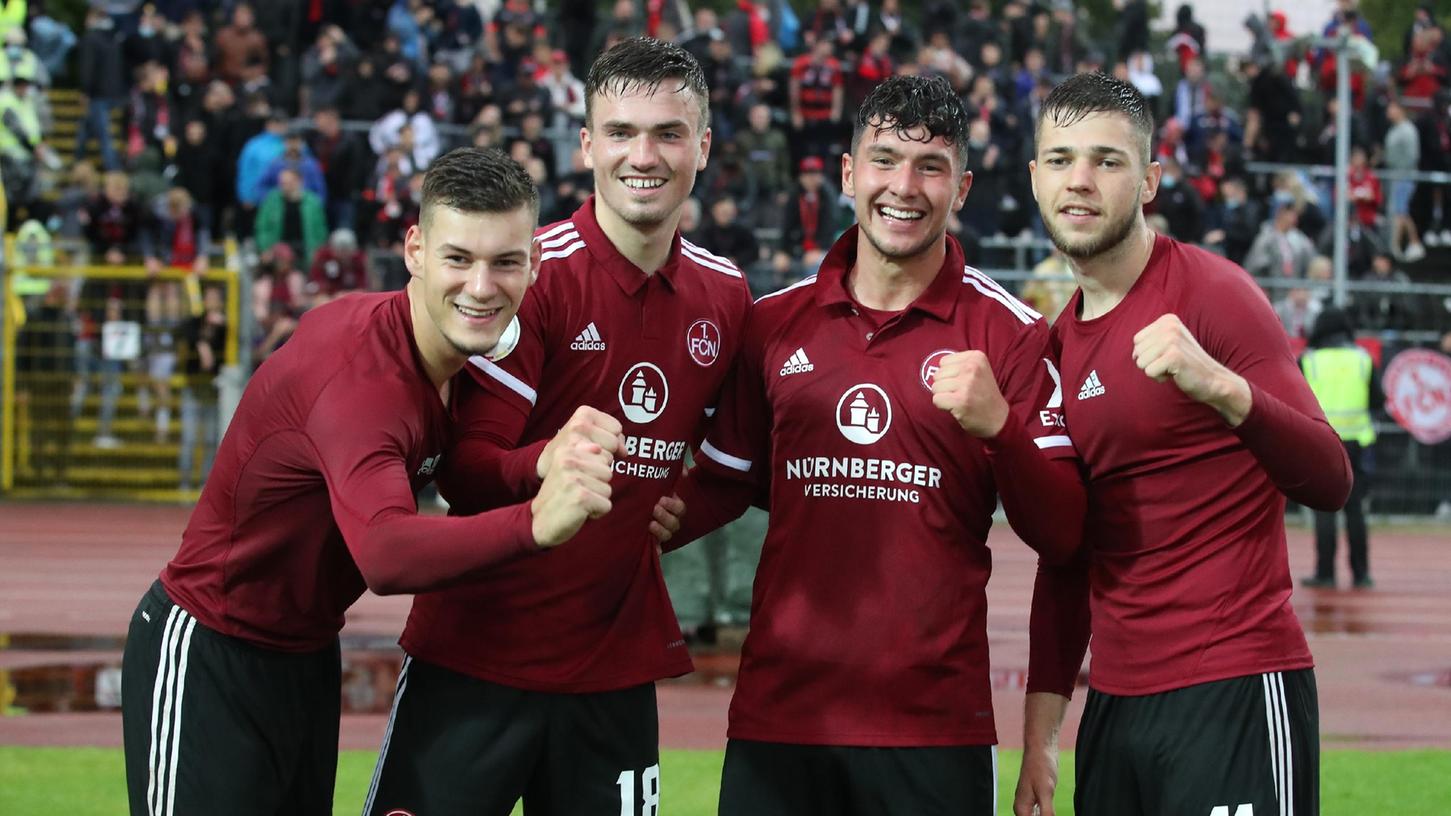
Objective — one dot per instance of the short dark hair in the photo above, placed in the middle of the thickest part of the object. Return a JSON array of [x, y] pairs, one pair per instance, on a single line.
[[1083, 95], [471, 180], [645, 63], [906, 103]]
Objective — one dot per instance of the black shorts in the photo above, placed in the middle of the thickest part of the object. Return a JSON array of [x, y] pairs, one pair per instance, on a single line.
[[775, 779], [219, 726], [1227, 748], [459, 745]]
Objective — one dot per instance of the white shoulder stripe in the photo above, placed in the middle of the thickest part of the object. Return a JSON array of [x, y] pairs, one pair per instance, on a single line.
[[796, 285], [563, 253], [723, 267], [1000, 298], [969, 272], [555, 230], [508, 380], [732, 462], [702, 251], [560, 241], [1059, 441]]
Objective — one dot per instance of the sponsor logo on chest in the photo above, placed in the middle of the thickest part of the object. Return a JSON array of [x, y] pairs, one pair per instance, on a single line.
[[588, 340], [430, 465]]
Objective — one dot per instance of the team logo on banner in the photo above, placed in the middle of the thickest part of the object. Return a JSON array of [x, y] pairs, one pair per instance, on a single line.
[[1418, 394], [703, 342], [643, 393], [863, 414]]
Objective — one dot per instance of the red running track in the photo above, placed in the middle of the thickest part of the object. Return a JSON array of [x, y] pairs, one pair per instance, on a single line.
[[77, 570]]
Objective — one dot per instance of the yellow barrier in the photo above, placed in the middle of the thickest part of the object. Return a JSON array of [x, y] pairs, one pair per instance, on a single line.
[[122, 403]]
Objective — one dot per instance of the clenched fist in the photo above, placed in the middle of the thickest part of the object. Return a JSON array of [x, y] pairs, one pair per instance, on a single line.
[[1167, 350], [586, 425], [965, 387], [577, 489]]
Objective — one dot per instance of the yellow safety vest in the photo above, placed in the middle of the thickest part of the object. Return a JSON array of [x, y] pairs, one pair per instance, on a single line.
[[1340, 378], [11, 142], [28, 66]]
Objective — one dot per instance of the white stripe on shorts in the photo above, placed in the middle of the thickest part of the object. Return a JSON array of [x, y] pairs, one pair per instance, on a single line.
[[387, 735]]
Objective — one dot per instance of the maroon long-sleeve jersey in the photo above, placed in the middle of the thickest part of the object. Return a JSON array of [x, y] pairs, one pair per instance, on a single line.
[[311, 497], [592, 614], [1188, 573], [868, 620]]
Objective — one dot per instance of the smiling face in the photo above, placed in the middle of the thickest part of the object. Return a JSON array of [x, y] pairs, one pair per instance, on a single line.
[[904, 187], [472, 270], [645, 146], [1091, 181]]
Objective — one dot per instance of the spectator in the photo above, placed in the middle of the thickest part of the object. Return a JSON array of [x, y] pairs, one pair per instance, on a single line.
[[184, 239], [1280, 250], [343, 164], [1364, 188], [1403, 153], [1066, 44], [1274, 115], [150, 117], [813, 219], [191, 64], [1386, 310], [874, 66], [1299, 306], [116, 223], [241, 50], [327, 68], [337, 269], [147, 45], [258, 155], [727, 236], [291, 215], [1187, 41], [1423, 75], [439, 97], [277, 300], [1180, 204], [1344, 380], [50, 40], [980, 212], [23, 148], [566, 94], [1233, 221], [723, 76], [387, 132], [102, 84], [1138, 70], [939, 57], [204, 340], [523, 97], [817, 92], [1190, 93], [295, 156], [1051, 286], [1132, 26], [766, 157]]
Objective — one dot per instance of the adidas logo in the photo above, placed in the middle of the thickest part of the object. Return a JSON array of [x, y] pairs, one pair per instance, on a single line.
[[1091, 386], [797, 364], [588, 340]]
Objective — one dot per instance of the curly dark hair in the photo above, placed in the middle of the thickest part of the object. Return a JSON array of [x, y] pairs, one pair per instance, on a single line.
[[907, 103], [477, 181], [645, 63], [1083, 95]]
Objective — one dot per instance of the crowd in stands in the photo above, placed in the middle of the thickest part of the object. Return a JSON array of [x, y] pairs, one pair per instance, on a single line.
[[302, 128]]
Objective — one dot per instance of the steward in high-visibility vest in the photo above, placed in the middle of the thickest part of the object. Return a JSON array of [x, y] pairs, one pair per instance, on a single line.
[[20, 130], [1342, 375]]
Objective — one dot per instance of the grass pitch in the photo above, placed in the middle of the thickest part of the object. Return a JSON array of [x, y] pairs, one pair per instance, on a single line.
[[92, 782]]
